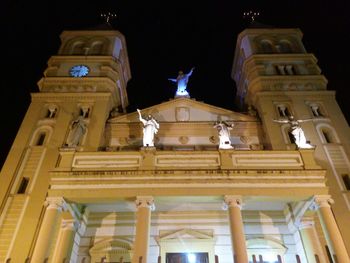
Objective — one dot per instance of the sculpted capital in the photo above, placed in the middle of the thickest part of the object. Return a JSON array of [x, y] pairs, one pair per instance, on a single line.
[[232, 201], [321, 201], [57, 203], [145, 201]]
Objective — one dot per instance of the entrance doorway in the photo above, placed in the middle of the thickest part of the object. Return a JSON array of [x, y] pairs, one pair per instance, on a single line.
[[193, 257]]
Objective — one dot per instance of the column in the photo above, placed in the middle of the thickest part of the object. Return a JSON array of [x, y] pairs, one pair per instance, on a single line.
[[42, 246], [144, 205], [311, 244], [65, 240], [333, 237], [234, 205]]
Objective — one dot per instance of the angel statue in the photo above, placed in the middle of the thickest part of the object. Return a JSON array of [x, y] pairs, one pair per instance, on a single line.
[[224, 134], [181, 81], [150, 127], [297, 132]]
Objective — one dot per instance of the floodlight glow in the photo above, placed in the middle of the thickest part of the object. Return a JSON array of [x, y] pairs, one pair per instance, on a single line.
[[191, 258], [270, 258], [182, 91]]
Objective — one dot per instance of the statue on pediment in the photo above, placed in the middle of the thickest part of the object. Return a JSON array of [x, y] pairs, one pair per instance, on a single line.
[[181, 81], [223, 129], [150, 128]]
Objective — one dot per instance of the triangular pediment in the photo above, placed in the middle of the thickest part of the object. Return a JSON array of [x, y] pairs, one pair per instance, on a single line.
[[185, 234], [184, 110]]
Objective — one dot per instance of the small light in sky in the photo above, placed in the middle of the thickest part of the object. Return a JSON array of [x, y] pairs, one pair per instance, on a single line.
[[108, 16], [251, 14]]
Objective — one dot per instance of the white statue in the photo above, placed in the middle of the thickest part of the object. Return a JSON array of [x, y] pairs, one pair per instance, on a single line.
[[224, 134], [297, 132], [181, 81], [78, 129], [150, 127]]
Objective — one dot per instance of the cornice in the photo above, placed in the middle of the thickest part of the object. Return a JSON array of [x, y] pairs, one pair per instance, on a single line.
[[105, 33], [289, 78], [295, 93], [90, 59], [279, 56], [59, 97], [256, 174]]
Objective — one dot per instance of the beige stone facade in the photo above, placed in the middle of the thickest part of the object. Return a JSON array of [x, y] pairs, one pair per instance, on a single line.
[[78, 186]]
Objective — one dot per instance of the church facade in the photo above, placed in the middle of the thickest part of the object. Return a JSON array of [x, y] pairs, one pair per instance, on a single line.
[[81, 185]]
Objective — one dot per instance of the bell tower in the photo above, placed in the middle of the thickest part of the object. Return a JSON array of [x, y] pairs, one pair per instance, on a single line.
[[277, 76], [81, 86]]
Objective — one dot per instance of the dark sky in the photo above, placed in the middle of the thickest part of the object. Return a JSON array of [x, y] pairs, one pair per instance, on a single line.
[[161, 40]]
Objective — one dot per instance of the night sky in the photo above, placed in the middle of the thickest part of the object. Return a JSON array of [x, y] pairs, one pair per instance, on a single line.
[[161, 40]]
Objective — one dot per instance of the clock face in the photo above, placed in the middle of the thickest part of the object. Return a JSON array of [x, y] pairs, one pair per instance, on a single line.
[[79, 71]]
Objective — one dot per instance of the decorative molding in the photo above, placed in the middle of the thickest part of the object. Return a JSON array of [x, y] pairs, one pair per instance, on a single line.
[[187, 160], [202, 173], [183, 139], [182, 113], [186, 234], [72, 97], [271, 160], [106, 161]]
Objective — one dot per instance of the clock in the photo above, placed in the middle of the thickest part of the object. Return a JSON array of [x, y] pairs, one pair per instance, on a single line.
[[79, 71]]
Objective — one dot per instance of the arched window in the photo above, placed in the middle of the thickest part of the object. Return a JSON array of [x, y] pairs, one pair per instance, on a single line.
[[78, 48], [40, 139], [316, 110], [283, 110], [85, 111], [266, 46], [41, 136], [327, 136], [51, 111], [285, 47], [96, 48], [327, 133]]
